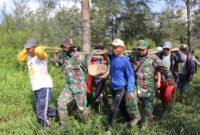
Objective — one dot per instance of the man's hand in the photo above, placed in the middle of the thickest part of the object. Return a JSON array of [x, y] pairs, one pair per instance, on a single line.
[[105, 51], [158, 84], [171, 82], [130, 96], [56, 50], [190, 77]]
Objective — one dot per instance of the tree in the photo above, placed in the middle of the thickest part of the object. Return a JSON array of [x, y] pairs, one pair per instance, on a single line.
[[85, 20], [170, 26], [189, 4]]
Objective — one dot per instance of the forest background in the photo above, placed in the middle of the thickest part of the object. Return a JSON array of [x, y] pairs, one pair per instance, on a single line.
[[129, 20]]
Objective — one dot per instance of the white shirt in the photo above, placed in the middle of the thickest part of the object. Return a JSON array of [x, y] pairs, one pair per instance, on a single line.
[[166, 61], [38, 73]]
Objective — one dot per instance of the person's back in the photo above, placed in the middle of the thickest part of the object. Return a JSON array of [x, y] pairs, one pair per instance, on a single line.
[[182, 66]]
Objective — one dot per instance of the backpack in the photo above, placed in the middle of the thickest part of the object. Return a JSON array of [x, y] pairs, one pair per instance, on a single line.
[[191, 64]]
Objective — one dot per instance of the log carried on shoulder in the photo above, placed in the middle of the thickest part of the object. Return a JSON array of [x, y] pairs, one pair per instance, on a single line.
[[102, 70], [126, 52]]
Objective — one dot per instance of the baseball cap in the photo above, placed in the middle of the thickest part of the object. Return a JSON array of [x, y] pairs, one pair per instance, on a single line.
[[118, 42], [31, 43], [67, 43], [142, 44], [167, 45]]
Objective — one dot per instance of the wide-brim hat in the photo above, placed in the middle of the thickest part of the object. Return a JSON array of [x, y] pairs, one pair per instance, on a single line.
[[67, 43], [31, 43]]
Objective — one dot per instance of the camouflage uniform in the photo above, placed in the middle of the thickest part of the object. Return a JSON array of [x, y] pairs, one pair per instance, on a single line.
[[145, 80], [75, 85]]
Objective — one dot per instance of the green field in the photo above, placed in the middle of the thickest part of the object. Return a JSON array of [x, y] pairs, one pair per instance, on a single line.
[[17, 112]]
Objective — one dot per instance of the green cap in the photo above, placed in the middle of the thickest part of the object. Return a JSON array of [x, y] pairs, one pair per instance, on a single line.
[[142, 44], [183, 46]]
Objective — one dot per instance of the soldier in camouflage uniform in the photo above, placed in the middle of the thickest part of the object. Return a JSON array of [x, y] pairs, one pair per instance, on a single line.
[[75, 85], [146, 65]]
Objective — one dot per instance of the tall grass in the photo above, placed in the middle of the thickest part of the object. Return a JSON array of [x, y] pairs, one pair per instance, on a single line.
[[17, 112]]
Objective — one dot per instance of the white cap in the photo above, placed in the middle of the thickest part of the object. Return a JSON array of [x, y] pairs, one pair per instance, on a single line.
[[118, 42], [167, 45]]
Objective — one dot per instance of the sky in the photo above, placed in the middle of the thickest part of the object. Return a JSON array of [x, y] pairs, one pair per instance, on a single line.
[[33, 4], [157, 6]]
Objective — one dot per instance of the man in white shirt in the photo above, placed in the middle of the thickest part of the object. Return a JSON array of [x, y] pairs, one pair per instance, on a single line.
[[167, 91], [40, 79]]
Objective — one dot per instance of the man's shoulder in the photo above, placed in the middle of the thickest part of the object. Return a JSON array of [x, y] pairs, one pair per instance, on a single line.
[[152, 56]]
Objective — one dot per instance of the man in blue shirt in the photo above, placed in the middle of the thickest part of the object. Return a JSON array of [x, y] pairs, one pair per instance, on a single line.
[[123, 87]]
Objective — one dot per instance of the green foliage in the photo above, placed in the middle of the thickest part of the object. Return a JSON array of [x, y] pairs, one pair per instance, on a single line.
[[133, 44], [129, 20], [17, 112]]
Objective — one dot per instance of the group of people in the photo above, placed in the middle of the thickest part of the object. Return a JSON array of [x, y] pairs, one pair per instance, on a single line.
[[135, 78]]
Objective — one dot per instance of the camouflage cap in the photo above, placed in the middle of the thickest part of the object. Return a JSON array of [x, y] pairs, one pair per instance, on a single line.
[[67, 43], [183, 46], [142, 44]]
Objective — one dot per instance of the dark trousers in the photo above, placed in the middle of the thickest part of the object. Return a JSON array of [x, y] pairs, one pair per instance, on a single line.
[[100, 94], [43, 98], [118, 103]]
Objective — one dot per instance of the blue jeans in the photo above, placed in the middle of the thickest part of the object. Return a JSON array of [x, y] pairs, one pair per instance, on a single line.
[[183, 83], [43, 98]]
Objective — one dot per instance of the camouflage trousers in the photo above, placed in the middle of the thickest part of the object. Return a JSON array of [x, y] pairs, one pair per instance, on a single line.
[[146, 107], [131, 101], [66, 97]]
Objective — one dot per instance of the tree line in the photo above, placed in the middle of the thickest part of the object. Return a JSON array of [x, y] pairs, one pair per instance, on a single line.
[[128, 19]]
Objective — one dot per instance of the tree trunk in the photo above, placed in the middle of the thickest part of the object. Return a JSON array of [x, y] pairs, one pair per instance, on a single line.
[[85, 15], [188, 5]]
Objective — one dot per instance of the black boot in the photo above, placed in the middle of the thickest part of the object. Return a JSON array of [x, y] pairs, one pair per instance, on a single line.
[[166, 111]]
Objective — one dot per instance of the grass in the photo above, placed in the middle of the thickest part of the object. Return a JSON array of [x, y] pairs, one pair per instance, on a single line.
[[17, 114]]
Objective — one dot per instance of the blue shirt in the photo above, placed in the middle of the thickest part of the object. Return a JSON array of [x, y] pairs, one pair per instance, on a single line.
[[122, 74]]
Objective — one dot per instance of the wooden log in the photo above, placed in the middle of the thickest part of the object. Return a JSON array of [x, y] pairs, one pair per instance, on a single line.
[[126, 52]]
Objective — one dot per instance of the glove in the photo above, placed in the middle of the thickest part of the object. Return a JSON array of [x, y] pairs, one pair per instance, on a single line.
[[40, 52], [22, 56]]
